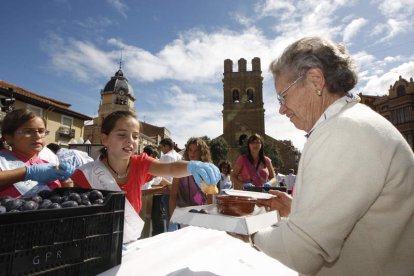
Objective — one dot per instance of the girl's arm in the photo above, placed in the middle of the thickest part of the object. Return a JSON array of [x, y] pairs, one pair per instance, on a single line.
[[272, 178], [9, 177], [174, 169]]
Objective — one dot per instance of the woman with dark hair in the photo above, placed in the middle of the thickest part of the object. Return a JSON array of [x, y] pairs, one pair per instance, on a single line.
[[120, 168], [253, 169], [22, 172]]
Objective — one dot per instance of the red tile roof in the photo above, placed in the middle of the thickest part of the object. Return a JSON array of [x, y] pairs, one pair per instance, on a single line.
[[22, 91], [63, 107]]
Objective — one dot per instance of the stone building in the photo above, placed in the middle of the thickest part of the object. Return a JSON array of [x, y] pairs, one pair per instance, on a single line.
[[63, 123], [118, 94], [397, 107], [243, 111]]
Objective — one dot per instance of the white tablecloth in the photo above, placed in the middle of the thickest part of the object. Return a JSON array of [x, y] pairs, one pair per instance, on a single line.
[[196, 251]]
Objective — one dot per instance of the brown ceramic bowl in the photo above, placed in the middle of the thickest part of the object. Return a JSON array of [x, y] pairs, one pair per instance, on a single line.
[[235, 205]]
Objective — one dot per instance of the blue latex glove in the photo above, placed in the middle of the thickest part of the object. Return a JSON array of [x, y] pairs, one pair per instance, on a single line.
[[247, 185], [44, 173], [268, 184], [204, 171], [67, 168]]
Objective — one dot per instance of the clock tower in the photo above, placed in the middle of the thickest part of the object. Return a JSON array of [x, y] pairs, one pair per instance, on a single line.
[[116, 95]]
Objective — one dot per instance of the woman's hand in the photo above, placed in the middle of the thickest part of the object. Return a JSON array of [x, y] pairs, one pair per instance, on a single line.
[[281, 202]]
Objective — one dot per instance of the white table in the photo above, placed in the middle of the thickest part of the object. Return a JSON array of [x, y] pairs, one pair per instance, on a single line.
[[196, 251]]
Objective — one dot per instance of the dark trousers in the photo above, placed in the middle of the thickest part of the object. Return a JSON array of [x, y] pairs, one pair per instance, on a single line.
[[165, 203], [157, 218]]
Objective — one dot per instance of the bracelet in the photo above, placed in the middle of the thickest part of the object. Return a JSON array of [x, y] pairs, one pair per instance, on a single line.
[[251, 241]]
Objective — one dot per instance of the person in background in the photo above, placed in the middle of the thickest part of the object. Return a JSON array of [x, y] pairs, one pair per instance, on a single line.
[[253, 169], [156, 209], [280, 179], [352, 212], [225, 170], [49, 156], [120, 169], [185, 191], [22, 172], [290, 180], [70, 156], [169, 155]]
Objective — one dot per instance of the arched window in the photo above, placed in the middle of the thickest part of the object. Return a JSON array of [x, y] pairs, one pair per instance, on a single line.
[[400, 90], [236, 96], [250, 95]]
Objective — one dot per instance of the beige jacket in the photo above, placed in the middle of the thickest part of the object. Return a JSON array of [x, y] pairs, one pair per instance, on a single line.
[[353, 205]]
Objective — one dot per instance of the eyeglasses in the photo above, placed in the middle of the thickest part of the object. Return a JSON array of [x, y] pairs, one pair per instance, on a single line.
[[31, 132], [281, 95]]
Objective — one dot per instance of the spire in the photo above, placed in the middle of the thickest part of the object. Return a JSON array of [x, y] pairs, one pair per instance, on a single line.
[[120, 62]]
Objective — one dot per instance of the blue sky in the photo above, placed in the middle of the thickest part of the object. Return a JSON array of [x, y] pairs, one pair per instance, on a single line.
[[173, 51]]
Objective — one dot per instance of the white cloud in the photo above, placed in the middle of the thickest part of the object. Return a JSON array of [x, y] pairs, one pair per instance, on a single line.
[[353, 28], [396, 8], [193, 56], [188, 114], [191, 65], [242, 19], [269, 7], [82, 60], [120, 6], [398, 18], [379, 85]]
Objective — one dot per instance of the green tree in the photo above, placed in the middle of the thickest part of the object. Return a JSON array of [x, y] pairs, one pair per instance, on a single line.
[[272, 152], [219, 149]]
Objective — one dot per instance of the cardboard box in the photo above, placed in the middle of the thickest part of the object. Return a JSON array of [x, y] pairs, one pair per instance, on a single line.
[[245, 225]]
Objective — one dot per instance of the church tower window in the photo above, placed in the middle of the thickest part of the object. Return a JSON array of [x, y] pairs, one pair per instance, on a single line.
[[250, 95], [236, 96]]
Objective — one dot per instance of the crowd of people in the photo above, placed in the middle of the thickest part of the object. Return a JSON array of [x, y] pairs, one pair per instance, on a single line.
[[348, 211]]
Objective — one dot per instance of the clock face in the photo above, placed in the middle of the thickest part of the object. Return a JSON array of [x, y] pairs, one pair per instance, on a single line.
[[121, 92]]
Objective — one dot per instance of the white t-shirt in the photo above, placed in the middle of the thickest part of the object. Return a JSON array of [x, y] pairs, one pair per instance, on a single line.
[[170, 156]]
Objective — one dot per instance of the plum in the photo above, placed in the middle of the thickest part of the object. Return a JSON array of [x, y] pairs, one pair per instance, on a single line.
[[98, 201], [75, 197], [45, 194], [4, 199], [86, 202], [84, 196], [37, 198], [45, 204], [69, 203], [94, 195], [56, 198], [54, 205], [29, 205], [14, 204]]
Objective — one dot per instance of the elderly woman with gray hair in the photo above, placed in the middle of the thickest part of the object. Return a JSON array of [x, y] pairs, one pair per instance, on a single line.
[[352, 212]]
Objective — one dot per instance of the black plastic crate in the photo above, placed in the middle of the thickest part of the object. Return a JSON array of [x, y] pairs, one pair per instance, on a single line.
[[84, 240]]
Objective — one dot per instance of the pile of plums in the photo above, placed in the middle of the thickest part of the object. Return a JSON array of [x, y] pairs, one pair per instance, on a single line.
[[50, 200]]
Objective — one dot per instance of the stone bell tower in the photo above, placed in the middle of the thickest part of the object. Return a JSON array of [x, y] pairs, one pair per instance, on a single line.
[[243, 112]]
